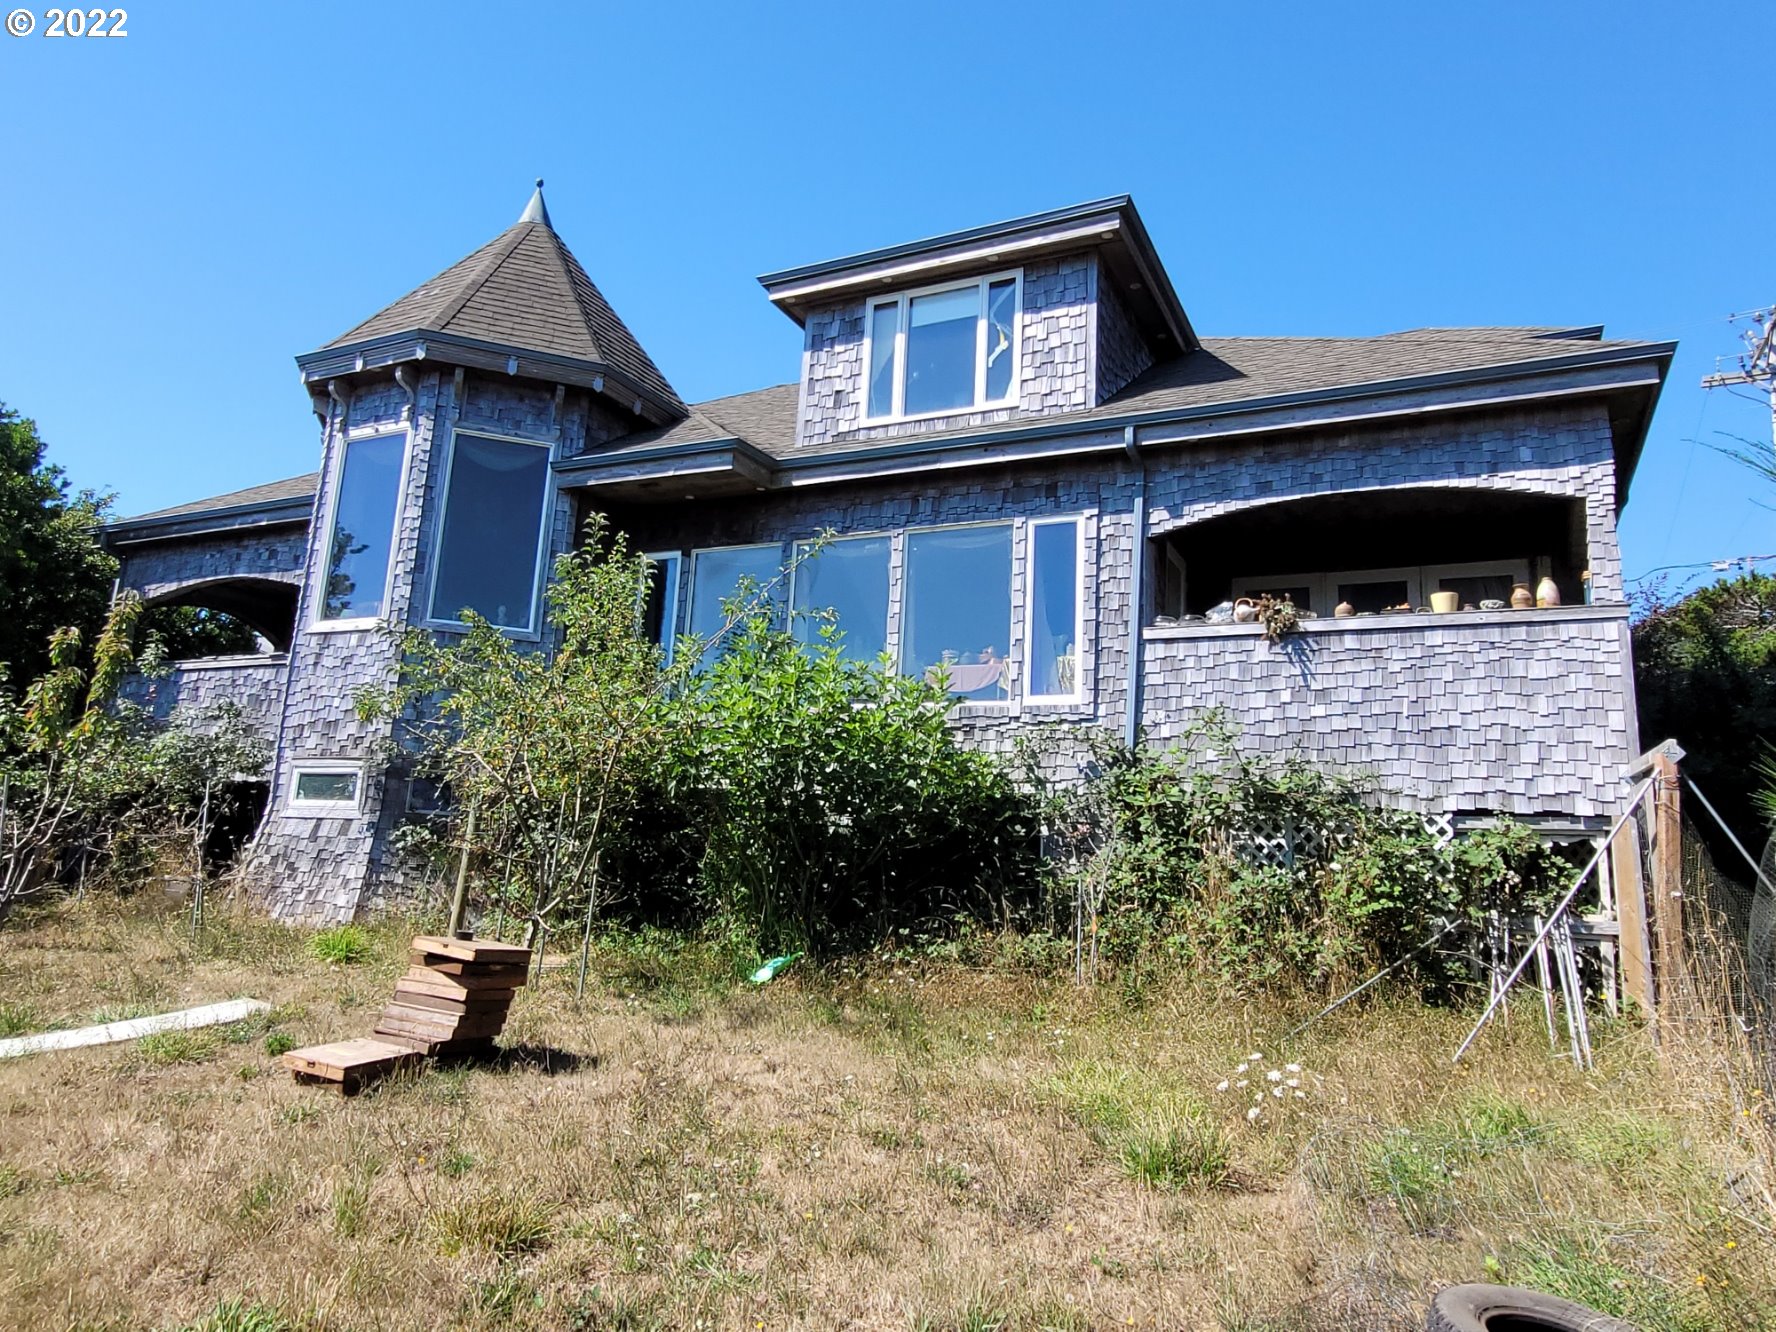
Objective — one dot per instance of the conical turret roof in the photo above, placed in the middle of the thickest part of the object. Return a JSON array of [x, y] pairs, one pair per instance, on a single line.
[[523, 291]]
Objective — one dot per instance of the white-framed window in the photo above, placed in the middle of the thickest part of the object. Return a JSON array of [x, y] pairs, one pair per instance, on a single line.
[[326, 789], [366, 497], [956, 608], [1054, 610], [845, 584], [657, 601], [718, 574], [492, 531], [942, 349]]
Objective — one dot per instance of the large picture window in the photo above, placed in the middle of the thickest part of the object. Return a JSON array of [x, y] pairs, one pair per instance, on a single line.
[[491, 541], [1051, 638], [362, 537], [848, 581], [946, 349], [717, 576], [958, 607]]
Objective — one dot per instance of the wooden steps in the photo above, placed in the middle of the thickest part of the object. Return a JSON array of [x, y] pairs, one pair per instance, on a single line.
[[452, 1001], [455, 996]]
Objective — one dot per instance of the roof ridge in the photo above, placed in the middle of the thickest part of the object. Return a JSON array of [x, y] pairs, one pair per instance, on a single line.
[[516, 232]]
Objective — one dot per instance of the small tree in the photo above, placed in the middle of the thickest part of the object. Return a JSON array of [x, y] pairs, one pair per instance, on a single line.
[[545, 753], [67, 759], [197, 764]]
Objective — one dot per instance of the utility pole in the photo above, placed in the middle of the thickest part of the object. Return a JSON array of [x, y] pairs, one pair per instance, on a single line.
[[1756, 365]]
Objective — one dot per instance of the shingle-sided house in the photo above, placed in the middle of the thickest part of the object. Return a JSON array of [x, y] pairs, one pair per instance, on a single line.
[[1039, 474]]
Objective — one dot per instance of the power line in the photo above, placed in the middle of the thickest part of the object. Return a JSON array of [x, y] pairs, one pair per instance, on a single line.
[[1718, 566], [1756, 365]]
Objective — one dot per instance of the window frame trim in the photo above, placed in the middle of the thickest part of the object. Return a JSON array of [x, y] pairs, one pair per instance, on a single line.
[[1077, 522], [903, 301], [673, 561], [1514, 569], [335, 476], [533, 632], [326, 809]]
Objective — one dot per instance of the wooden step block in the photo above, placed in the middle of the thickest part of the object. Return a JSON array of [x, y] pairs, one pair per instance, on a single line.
[[450, 966], [349, 1064], [454, 1046], [399, 1020], [472, 950], [437, 982], [475, 1001]]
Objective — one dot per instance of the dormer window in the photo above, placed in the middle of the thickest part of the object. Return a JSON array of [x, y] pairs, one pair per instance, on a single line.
[[943, 349]]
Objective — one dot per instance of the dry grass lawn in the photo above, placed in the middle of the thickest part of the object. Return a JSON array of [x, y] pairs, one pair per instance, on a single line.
[[914, 1147]]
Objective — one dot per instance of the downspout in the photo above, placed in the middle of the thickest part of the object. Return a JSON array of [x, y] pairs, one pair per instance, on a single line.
[[1131, 722]]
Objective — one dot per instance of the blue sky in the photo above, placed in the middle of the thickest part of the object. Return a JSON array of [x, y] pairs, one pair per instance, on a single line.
[[190, 206]]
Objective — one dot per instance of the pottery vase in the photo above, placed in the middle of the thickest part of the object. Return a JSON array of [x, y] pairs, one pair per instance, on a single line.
[[1521, 597], [1245, 611], [1547, 593], [1344, 610], [1445, 602]]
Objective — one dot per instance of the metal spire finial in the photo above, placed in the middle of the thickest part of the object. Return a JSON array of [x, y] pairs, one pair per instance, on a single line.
[[536, 210]]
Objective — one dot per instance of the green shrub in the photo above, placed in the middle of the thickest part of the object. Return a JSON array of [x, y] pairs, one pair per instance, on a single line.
[[1176, 1152], [840, 804], [340, 945], [1264, 869], [279, 1043]]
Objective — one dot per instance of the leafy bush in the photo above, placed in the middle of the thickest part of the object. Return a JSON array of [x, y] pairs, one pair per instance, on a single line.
[[341, 945], [1177, 848], [839, 802]]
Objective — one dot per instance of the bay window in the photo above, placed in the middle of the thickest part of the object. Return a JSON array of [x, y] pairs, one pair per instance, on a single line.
[[363, 529], [490, 543], [957, 612], [844, 583], [943, 349]]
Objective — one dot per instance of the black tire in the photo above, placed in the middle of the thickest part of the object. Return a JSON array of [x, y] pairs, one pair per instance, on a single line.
[[1481, 1308]]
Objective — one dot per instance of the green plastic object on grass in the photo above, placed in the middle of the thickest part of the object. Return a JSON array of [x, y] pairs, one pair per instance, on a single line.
[[771, 968]]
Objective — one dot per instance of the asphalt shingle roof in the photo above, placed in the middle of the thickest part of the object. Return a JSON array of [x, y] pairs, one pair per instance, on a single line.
[[1225, 372], [523, 289], [272, 492]]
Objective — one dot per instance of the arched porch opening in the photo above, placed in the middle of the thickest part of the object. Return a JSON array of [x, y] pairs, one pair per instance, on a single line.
[[1376, 550], [224, 617]]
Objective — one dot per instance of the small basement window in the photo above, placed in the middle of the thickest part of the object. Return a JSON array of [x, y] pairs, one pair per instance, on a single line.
[[943, 349], [327, 790]]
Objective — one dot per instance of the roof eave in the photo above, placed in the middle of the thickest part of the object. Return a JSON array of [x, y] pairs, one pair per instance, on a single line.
[[294, 511], [1100, 223], [453, 349], [1090, 433]]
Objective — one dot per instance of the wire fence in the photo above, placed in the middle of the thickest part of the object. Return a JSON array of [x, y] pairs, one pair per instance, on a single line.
[[1723, 981]]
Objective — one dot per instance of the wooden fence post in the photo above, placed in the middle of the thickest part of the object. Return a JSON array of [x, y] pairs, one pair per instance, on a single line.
[[1635, 945], [1667, 873]]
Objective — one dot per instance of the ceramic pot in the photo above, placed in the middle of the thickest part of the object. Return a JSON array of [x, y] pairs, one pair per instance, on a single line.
[[1344, 610], [1444, 602], [1547, 593], [1521, 597], [1245, 611]]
